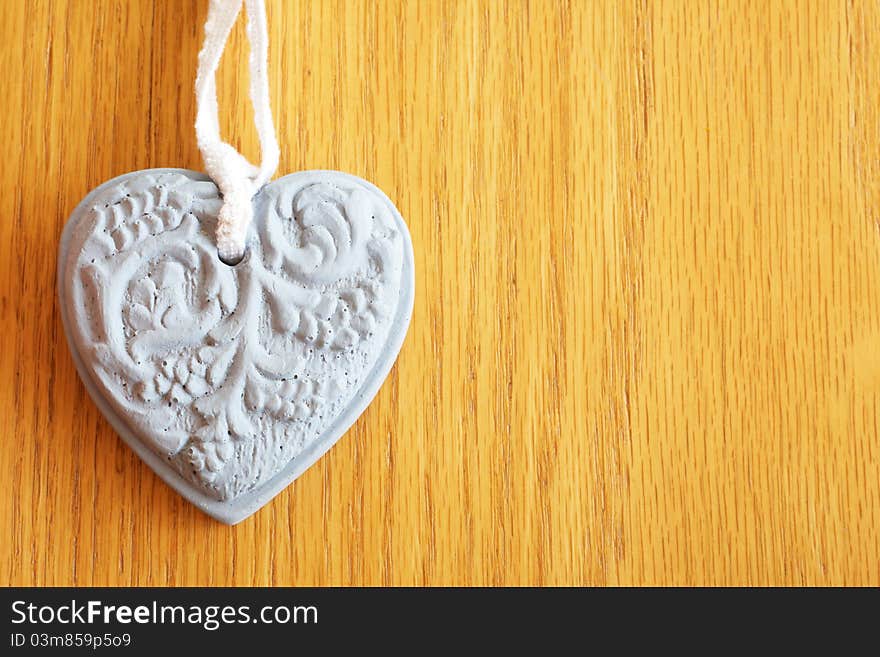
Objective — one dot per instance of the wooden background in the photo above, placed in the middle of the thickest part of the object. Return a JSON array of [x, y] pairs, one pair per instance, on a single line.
[[646, 339]]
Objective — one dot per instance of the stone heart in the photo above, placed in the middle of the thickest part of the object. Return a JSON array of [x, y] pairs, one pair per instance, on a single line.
[[231, 381]]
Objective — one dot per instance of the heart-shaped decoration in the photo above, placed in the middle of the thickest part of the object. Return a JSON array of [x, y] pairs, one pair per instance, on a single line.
[[230, 381]]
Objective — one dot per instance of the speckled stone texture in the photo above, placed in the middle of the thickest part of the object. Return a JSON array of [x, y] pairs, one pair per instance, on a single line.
[[231, 381]]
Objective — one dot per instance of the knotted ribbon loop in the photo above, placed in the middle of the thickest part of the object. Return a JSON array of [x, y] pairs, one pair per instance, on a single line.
[[236, 178]]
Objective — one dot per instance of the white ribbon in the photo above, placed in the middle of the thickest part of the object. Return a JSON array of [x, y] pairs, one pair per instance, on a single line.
[[237, 179]]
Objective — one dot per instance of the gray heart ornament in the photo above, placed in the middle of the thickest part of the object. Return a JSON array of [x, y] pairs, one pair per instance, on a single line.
[[231, 381]]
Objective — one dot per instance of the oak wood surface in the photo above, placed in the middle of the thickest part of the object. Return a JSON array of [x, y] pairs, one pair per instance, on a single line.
[[646, 340]]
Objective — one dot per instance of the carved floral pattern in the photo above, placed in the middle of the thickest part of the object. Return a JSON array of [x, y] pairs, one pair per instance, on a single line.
[[230, 372]]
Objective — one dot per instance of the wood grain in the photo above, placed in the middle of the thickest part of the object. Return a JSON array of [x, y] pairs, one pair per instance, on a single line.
[[646, 340]]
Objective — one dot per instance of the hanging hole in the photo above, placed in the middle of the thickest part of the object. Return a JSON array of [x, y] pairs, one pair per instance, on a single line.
[[232, 262]]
